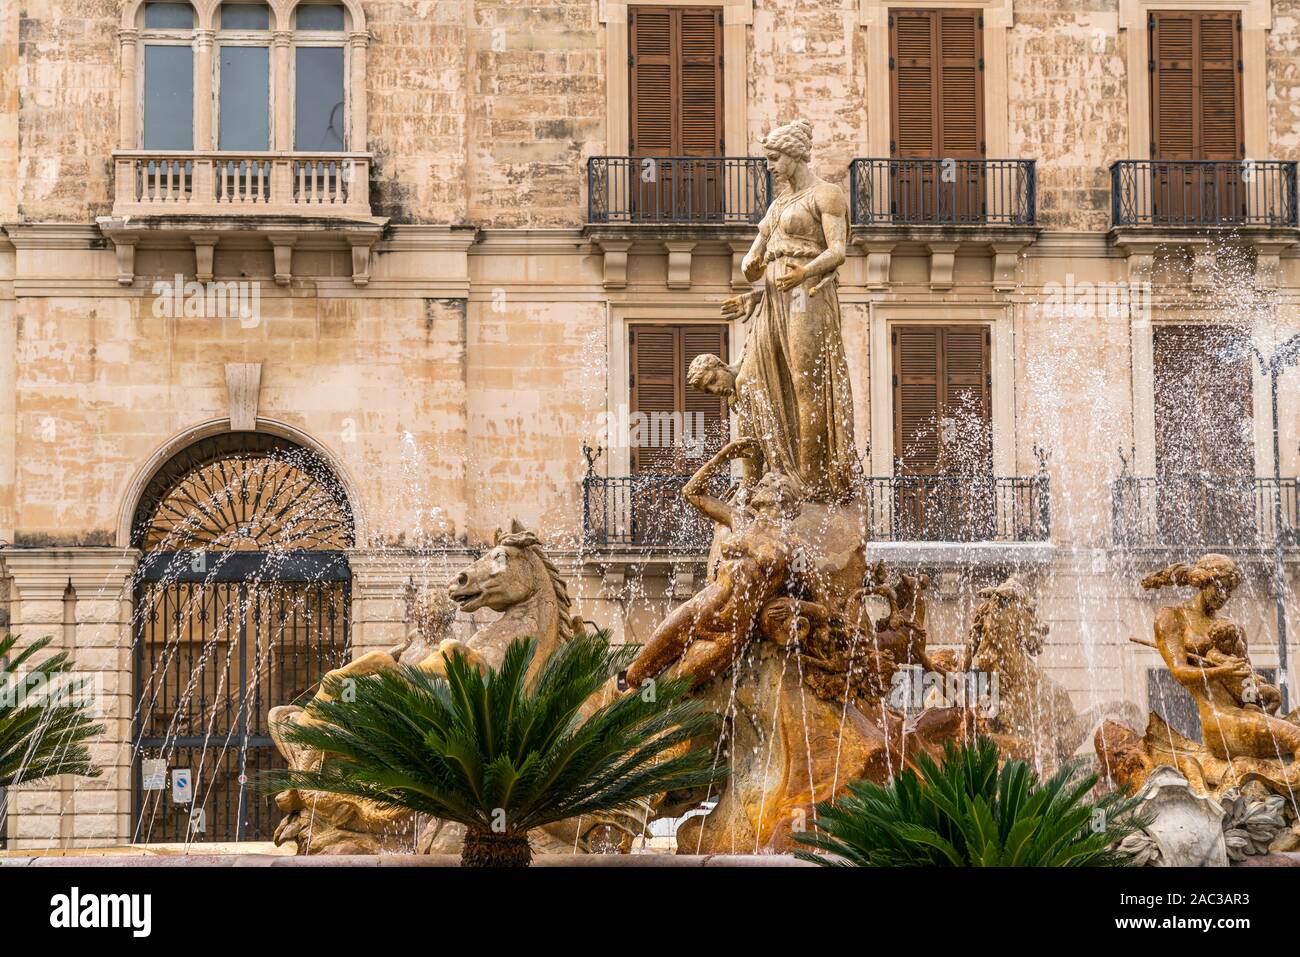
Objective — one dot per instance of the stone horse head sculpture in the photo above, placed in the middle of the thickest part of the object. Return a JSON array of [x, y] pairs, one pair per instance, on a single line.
[[516, 578]]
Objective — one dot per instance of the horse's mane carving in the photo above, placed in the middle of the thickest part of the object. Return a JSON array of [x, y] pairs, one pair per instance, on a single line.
[[522, 538]]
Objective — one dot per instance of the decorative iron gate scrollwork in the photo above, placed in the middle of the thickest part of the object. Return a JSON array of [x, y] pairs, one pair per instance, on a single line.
[[242, 602]]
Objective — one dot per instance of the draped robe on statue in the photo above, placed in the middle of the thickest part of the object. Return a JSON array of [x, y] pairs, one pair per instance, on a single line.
[[795, 333]]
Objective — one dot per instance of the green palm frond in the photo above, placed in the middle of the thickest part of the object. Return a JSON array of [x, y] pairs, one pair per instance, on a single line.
[[42, 736], [474, 747], [965, 812]]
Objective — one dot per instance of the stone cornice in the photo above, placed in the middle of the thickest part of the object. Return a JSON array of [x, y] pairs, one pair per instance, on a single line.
[[44, 573]]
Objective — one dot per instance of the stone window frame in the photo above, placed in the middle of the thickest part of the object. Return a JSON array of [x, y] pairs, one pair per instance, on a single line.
[[1000, 321], [354, 38], [1256, 22], [621, 317], [873, 16], [737, 17]]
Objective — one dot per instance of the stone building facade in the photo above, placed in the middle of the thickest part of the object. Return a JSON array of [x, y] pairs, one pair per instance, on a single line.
[[444, 305]]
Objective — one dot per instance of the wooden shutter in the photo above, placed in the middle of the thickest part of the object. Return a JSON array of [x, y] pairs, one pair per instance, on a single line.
[[1203, 402], [676, 81], [936, 67], [660, 356], [654, 121], [1196, 85], [941, 372]]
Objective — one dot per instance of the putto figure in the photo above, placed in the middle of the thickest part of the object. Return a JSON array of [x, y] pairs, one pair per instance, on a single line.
[[792, 389]]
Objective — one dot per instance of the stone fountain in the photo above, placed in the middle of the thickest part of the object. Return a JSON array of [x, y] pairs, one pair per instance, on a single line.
[[816, 656]]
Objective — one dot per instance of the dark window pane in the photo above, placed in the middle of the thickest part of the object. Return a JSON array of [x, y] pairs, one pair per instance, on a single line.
[[245, 16], [320, 16], [318, 103], [169, 16], [245, 99], [168, 97]]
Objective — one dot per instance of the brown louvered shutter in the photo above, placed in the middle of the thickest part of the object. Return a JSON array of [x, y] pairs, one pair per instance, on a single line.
[[708, 413], [961, 125], [937, 87], [915, 111], [1196, 85], [941, 399], [660, 356], [676, 81], [1203, 403], [968, 446], [653, 62], [918, 397], [701, 81], [1205, 451]]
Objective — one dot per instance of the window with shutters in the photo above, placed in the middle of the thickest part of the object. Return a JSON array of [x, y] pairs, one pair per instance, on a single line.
[[936, 76], [673, 426], [1196, 115], [943, 433], [1205, 455], [675, 85]]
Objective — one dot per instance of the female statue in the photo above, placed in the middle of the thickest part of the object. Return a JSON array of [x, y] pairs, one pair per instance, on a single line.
[[1191, 639], [792, 386]]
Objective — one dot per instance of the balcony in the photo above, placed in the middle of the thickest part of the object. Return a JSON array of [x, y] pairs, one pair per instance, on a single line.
[[942, 192], [644, 513], [647, 512], [208, 195], [677, 190], [1204, 511], [1203, 194], [959, 508], [943, 204], [674, 204]]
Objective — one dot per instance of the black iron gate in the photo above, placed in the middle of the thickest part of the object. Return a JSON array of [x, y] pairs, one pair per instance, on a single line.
[[220, 639]]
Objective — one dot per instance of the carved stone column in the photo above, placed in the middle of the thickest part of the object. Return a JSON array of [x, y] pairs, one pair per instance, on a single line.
[[81, 597], [359, 41], [126, 101]]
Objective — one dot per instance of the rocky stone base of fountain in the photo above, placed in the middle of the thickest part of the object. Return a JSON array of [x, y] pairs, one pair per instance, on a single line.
[[1206, 811]]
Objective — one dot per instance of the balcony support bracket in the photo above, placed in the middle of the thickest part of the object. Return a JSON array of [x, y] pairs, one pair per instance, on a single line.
[[879, 255], [943, 257], [282, 246], [125, 248], [679, 262], [361, 247], [1006, 261], [738, 249], [205, 244], [614, 252]]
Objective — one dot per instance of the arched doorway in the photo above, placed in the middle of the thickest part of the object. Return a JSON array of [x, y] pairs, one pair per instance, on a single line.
[[242, 602]]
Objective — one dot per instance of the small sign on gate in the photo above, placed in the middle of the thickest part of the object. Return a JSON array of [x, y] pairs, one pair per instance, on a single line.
[[181, 790], [153, 774]]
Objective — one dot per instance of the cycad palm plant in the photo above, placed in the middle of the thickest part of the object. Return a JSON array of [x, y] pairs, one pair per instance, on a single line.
[[41, 733], [964, 812], [498, 753]]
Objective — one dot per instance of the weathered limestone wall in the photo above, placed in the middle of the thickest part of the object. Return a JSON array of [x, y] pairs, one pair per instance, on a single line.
[[68, 78], [1068, 106], [418, 109], [102, 383]]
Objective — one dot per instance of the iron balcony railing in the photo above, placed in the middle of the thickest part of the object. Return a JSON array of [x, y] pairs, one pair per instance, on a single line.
[[1203, 193], [678, 190], [959, 508], [943, 192], [1227, 511], [644, 511], [648, 511]]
